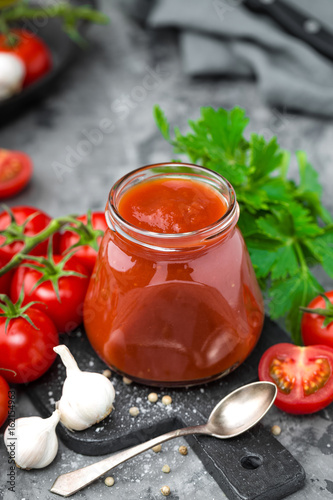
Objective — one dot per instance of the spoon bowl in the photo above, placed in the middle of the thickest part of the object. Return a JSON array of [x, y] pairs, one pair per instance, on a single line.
[[234, 414], [241, 409]]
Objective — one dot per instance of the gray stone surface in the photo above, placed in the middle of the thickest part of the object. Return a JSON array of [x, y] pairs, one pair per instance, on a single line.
[[123, 74]]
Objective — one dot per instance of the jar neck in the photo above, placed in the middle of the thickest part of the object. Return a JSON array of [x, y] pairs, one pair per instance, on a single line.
[[174, 242]]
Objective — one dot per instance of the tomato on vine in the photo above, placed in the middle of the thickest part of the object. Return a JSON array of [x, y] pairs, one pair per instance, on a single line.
[[16, 225], [303, 376], [317, 320], [27, 338], [58, 284], [85, 238]]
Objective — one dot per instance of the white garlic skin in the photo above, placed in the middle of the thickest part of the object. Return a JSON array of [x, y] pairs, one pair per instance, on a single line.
[[87, 397], [12, 73], [36, 443]]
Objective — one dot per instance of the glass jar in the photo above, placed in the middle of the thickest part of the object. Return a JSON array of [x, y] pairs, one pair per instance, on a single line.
[[173, 309]]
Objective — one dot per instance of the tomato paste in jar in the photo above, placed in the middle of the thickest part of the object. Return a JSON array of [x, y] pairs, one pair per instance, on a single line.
[[173, 299]]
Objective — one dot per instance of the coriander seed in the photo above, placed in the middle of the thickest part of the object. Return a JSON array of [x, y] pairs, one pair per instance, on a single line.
[[166, 469], [183, 450], [276, 430], [165, 490], [109, 481], [157, 448], [167, 400], [152, 397], [134, 411], [127, 381], [107, 373]]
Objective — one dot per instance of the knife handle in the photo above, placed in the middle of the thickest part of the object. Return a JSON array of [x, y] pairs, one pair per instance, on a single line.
[[297, 23]]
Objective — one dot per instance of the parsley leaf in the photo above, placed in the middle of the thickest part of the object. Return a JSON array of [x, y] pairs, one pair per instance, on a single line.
[[162, 123], [322, 249], [287, 296], [265, 157], [309, 190]]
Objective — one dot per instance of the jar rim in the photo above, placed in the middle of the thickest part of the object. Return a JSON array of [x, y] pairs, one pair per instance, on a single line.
[[171, 241]]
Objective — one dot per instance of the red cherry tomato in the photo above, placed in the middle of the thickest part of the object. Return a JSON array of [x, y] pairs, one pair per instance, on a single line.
[[6, 279], [87, 252], [15, 172], [303, 376], [5, 282], [32, 51], [4, 400], [66, 313], [312, 326], [25, 349], [36, 224]]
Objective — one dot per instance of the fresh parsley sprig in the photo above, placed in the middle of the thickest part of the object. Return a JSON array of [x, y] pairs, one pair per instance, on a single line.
[[286, 228], [68, 13]]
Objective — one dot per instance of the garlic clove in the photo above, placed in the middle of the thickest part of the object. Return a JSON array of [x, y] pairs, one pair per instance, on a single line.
[[32, 442], [12, 73], [87, 397]]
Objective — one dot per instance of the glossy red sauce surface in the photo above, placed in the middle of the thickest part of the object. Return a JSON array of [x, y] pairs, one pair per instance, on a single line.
[[171, 205]]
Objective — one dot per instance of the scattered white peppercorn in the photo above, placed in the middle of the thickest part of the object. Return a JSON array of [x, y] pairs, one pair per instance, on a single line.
[[166, 469], [276, 430], [134, 411], [127, 381], [107, 373], [157, 448], [167, 400], [165, 490], [109, 481], [152, 397], [183, 450]]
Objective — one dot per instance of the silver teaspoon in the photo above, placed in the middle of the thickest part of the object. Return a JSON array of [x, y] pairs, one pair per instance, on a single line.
[[234, 414]]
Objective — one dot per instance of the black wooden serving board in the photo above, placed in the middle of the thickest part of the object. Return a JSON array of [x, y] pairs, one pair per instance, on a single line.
[[252, 466]]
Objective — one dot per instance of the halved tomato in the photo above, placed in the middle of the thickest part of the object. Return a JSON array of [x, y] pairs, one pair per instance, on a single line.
[[15, 172], [303, 376]]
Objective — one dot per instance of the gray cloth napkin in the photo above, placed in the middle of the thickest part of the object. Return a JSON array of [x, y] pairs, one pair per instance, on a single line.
[[222, 37]]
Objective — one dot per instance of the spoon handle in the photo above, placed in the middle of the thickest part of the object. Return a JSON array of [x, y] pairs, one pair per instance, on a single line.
[[71, 482]]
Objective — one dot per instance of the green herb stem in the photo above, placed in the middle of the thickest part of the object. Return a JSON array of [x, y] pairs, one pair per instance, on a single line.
[[301, 258], [31, 242]]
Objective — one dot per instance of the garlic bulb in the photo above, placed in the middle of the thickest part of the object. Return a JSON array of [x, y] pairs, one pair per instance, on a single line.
[[32, 442], [87, 398], [12, 73]]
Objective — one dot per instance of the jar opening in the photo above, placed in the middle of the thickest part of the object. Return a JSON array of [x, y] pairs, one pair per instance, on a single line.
[[178, 240]]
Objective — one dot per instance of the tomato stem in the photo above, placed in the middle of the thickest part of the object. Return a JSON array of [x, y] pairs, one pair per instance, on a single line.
[[30, 242], [10, 38], [12, 311], [8, 370], [326, 312], [10, 306], [86, 233], [50, 271], [300, 256]]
